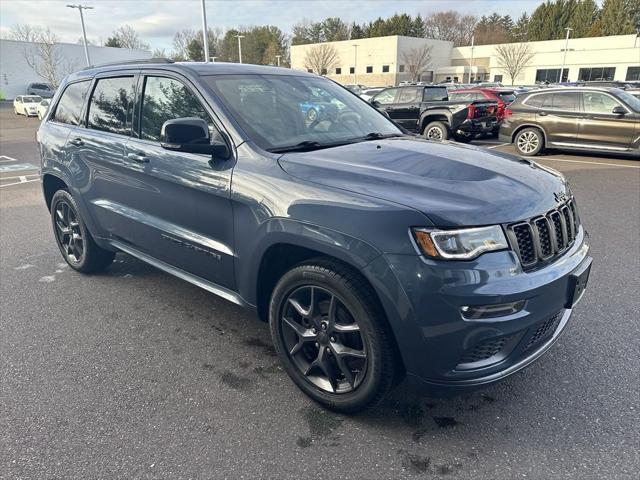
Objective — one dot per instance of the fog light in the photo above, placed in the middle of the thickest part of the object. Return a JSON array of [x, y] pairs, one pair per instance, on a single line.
[[477, 312]]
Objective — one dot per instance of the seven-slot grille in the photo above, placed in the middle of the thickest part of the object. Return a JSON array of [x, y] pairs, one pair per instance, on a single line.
[[545, 237]]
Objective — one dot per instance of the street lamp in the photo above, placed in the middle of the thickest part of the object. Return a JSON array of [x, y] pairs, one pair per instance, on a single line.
[[564, 57], [239, 37], [204, 32], [355, 63], [84, 32]]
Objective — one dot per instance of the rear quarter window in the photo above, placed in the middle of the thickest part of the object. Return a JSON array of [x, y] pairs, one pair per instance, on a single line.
[[69, 108], [538, 100], [435, 94]]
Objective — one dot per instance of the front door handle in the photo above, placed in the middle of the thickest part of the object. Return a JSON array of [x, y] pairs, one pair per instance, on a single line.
[[136, 157], [543, 114], [76, 141]]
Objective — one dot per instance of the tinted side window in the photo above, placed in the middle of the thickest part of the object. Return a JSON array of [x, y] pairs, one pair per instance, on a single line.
[[387, 96], [165, 99], [462, 96], [566, 101], [596, 102], [408, 95], [435, 94], [538, 100], [111, 104], [69, 107]]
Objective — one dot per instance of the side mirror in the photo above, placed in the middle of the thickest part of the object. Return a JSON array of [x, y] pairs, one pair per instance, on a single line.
[[619, 110], [191, 135], [375, 103]]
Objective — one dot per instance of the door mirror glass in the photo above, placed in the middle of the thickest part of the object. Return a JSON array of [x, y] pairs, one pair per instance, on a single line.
[[619, 110], [191, 135]]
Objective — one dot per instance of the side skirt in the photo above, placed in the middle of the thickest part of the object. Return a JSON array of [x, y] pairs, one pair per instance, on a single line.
[[177, 272]]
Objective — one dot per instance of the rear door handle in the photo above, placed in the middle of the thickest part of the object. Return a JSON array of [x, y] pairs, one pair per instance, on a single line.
[[543, 114], [136, 157], [77, 142]]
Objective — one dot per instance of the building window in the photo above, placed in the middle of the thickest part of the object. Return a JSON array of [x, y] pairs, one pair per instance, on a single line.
[[352, 70], [309, 70], [497, 78], [338, 71], [633, 74], [401, 68], [323, 71], [551, 75], [597, 73], [385, 69], [369, 69]]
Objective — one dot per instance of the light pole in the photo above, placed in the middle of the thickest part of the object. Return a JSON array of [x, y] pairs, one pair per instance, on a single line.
[[213, 59], [564, 57], [84, 32], [473, 38], [239, 37], [205, 42], [278, 59], [355, 63]]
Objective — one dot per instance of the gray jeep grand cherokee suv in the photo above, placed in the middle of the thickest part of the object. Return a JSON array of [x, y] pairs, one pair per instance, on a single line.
[[373, 254]]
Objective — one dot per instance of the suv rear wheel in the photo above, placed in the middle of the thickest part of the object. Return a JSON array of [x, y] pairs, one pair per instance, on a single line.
[[436, 131], [74, 240], [529, 141], [329, 333]]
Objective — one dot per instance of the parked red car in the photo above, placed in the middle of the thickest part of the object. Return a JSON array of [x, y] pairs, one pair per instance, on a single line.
[[503, 96]]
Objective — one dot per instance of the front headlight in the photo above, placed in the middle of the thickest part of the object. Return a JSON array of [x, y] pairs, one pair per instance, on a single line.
[[461, 244]]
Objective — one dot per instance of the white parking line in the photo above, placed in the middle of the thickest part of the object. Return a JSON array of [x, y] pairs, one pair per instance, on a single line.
[[587, 163], [19, 183], [4, 158], [498, 145]]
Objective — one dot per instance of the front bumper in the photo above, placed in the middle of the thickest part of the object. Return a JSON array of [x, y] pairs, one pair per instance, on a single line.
[[441, 349]]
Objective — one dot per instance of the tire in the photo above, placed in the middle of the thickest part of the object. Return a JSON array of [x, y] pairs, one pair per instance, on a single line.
[[437, 131], [464, 138], [74, 240], [365, 332], [15, 111], [529, 141]]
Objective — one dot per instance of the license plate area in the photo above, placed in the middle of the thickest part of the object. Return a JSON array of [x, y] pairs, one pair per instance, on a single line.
[[577, 285]]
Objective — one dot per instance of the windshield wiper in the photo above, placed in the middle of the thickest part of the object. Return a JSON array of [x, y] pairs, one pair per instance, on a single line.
[[307, 145], [379, 135]]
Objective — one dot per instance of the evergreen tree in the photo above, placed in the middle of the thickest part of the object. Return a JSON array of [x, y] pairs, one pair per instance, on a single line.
[[356, 31], [618, 17], [418, 27], [583, 19], [520, 29]]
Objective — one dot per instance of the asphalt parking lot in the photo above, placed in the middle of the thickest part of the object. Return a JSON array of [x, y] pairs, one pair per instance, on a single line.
[[135, 374]]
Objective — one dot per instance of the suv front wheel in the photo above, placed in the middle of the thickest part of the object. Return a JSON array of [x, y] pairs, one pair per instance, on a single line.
[[529, 141], [329, 333]]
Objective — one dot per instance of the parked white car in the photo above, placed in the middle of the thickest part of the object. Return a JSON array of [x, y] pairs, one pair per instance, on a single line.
[[370, 92], [26, 105], [43, 106]]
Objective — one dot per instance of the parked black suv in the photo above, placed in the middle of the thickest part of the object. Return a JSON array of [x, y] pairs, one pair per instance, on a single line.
[[588, 119], [372, 253], [427, 110]]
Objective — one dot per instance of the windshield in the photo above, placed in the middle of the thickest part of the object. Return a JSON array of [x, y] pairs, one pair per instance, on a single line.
[[31, 99], [632, 101], [282, 111]]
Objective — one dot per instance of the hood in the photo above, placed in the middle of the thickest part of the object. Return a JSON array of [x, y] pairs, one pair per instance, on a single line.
[[452, 184]]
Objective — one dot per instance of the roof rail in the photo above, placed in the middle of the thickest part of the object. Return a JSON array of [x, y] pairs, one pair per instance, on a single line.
[[131, 62]]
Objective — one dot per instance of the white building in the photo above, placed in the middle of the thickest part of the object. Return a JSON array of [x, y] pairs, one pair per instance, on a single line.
[[16, 74], [595, 58], [380, 61]]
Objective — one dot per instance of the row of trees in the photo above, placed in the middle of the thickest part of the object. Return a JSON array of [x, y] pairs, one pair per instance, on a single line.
[[547, 22]]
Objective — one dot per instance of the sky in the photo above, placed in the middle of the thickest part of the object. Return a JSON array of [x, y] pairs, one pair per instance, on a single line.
[[157, 20]]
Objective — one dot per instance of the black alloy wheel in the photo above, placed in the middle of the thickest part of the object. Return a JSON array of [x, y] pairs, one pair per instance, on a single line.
[[323, 339]]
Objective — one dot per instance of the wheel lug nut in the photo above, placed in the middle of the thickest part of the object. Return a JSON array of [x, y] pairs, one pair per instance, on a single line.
[[328, 350], [314, 330], [317, 344], [333, 339]]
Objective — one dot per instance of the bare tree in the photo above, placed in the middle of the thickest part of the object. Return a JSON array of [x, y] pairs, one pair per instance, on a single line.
[[450, 26], [25, 33], [513, 58], [321, 58], [44, 56], [417, 60], [127, 37], [181, 41]]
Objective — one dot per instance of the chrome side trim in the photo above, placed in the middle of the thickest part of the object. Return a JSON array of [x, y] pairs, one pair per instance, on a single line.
[[177, 272], [164, 226], [594, 147]]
